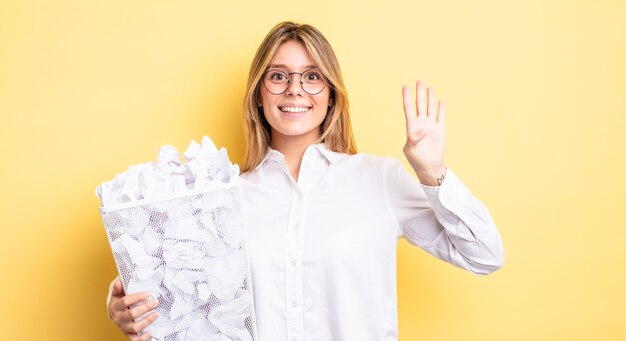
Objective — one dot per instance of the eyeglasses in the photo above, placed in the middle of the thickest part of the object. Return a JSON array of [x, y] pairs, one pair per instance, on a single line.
[[277, 81]]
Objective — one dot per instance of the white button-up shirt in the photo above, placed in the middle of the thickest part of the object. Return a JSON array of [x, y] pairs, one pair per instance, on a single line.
[[322, 250]]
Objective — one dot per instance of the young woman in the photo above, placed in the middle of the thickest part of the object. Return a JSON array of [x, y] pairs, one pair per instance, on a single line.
[[324, 221]]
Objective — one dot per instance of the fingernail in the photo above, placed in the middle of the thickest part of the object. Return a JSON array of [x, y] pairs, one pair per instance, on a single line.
[[155, 303]]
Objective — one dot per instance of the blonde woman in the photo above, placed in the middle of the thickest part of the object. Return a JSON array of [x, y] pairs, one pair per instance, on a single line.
[[323, 220]]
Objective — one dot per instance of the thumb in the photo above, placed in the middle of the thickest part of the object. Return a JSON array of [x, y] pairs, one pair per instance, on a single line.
[[415, 137], [118, 289]]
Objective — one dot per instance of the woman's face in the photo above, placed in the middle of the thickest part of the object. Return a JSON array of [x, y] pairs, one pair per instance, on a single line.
[[294, 114]]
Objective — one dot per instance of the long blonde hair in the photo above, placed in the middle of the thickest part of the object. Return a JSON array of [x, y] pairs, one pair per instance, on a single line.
[[336, 130]]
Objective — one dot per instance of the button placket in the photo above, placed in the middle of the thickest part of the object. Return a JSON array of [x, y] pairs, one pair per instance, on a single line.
[[293, 272]]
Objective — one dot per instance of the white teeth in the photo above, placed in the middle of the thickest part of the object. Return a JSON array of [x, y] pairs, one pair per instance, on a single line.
[[294, 109]]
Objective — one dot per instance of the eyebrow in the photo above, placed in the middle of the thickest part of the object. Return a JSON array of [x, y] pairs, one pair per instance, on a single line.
[[283, 66]]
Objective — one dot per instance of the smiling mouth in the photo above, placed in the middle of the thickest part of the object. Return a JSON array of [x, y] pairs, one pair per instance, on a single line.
[[294, 109]]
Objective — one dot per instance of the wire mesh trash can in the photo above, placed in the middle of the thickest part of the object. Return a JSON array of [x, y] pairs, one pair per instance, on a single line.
[[188, 251]]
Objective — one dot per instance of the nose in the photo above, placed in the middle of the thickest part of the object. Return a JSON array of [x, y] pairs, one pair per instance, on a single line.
[[294, 87]]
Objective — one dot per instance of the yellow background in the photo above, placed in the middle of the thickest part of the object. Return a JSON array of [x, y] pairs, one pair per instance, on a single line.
[[535, 94]]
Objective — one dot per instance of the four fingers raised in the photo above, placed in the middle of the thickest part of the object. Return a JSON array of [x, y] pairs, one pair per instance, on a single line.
[[442, 113], [421, 99], [425, 103], [409, 108], [432, 104]]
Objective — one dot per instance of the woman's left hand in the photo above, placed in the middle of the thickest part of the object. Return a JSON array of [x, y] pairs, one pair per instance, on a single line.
[[426, 134]]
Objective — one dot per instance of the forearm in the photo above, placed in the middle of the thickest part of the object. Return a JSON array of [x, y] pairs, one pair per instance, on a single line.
[[468, 226]]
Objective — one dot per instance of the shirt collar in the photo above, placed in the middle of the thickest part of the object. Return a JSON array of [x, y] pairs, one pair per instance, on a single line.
[[268, 151], [330, 155]]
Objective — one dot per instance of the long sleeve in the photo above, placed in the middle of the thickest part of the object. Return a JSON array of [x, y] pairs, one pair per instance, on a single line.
[[446, 221]]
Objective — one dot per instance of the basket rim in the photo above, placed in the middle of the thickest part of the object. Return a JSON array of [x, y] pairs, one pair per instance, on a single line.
[[214, 187]]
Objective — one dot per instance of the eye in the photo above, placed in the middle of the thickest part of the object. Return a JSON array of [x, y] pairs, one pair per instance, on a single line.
[[277, 76], [312, 76]]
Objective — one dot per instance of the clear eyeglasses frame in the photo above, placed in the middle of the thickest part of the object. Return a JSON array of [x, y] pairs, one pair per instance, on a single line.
[[276, 81]]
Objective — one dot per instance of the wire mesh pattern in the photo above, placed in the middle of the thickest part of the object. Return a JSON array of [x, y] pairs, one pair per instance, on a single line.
[[189, 253]]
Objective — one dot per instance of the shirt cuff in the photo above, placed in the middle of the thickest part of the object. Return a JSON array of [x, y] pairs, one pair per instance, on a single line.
[[443, 196]]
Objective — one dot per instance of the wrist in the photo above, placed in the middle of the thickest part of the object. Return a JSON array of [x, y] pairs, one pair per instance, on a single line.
[[432, 176]]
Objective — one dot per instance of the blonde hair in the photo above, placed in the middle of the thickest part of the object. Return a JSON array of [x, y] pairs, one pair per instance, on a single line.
[[336, 130]]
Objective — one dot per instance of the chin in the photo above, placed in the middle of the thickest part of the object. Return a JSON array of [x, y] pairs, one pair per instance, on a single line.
[[292, 130], [295, 132]]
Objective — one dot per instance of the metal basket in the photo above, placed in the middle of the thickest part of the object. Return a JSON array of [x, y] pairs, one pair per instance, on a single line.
[[188, 251]]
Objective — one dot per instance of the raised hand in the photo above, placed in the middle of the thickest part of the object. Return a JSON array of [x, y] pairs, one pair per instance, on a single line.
[[426, 134]]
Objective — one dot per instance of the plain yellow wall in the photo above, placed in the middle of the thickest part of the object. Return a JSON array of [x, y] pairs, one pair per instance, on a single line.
[[535, 94]]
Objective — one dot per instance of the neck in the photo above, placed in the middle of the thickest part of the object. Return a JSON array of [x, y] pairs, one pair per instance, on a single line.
[[293, 147]]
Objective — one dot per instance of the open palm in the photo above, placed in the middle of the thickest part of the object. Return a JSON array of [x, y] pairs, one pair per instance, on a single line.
[[425, 131]]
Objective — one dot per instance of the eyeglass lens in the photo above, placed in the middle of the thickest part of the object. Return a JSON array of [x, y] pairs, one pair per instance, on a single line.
[[277, 81]]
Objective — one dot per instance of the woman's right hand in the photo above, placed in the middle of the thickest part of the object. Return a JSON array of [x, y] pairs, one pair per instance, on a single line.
[[124, 317]]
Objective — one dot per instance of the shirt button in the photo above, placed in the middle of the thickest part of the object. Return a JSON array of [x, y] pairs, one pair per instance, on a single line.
[[294, 226], [293, 304], [293, 262]]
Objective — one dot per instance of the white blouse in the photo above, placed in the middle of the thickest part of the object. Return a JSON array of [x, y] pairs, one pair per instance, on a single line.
[[322, 250]]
